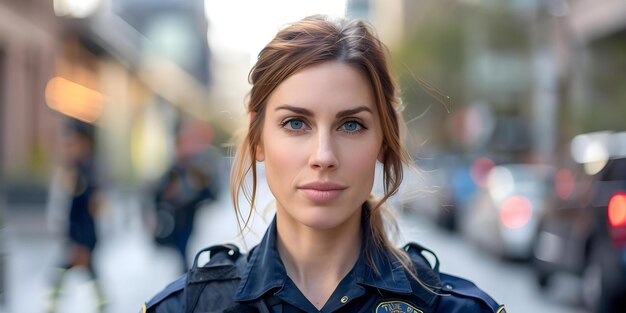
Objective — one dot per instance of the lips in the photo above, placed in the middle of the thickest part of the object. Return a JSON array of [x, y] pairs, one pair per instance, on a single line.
[[320, 192]]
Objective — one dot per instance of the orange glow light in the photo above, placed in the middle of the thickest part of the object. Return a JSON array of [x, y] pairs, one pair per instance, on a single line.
[[74, 99]]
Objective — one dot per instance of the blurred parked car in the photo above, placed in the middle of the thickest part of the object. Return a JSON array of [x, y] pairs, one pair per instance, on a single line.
[[462, 180], [454, 179], [416, 193], [503, 216], [586, 234], [436, 166]]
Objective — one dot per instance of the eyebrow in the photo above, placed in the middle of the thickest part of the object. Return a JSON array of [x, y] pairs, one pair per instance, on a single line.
[[339, 114], [349, 112]]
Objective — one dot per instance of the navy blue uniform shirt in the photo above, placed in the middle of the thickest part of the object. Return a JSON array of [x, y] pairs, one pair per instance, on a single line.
[[231, 282]]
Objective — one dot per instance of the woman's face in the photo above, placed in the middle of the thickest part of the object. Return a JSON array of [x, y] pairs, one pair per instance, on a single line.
[[320, 142]]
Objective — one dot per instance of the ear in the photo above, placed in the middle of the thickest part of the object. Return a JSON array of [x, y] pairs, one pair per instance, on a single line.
[[381, 154], [260, 153]]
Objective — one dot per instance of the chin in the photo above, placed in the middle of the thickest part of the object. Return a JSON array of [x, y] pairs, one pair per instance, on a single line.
[[324, 218]]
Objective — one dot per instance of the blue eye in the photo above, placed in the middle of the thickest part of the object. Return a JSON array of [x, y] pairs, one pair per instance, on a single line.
[[352, 127], [294, 124]]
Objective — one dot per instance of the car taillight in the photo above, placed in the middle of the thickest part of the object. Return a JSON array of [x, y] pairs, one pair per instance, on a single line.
[[515, 212], [617, 218], [617, 210]]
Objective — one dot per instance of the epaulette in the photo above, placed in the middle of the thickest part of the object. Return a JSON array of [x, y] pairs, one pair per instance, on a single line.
[[222, 258], [445, 283], [466, 289], [225, 262], [424, 269], [215, 280]]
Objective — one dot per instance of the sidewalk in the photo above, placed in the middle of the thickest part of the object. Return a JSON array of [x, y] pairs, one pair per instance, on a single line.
[[130, 266]]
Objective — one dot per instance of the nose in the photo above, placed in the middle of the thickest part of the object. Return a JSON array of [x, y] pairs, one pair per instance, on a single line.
[[324, 155]]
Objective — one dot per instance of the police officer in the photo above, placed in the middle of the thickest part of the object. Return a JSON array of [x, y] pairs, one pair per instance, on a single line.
[[323, 111]]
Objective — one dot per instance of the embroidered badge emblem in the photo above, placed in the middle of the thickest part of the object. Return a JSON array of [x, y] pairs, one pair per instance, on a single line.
[[396, 307]]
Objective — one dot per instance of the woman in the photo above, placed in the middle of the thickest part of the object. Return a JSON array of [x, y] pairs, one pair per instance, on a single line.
[[323, 110]]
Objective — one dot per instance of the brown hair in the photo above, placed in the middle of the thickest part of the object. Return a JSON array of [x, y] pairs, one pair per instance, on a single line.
[[311, 41]]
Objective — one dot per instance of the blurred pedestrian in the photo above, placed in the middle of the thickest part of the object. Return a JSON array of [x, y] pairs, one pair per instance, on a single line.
[[323, 110], [189, 183], [79, 178]]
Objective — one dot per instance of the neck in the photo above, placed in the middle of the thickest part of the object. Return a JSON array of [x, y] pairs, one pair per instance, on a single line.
[[317, 260]]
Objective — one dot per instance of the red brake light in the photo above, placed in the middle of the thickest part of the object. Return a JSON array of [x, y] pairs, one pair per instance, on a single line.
[[515, 212], [617, 210]]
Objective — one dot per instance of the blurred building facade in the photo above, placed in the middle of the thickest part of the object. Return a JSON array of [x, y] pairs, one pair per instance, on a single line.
[[131, 67], [29, 47]]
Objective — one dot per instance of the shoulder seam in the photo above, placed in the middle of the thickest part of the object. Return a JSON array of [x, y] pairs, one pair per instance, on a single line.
[[175, 286], [480, 294]]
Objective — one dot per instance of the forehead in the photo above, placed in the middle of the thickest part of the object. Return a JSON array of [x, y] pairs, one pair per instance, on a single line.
[[329, 86]]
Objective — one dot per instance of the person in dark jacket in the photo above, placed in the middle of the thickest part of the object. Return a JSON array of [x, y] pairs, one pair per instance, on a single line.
[[79, 176], [323, 111], [190, 182]]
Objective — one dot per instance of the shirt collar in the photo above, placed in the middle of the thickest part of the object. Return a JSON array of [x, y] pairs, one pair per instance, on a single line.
[[392, 276], [266, 271]]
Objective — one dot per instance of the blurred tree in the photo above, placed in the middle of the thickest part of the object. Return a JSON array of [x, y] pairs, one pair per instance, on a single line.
[[458, 53], [430, 65], [607, 97]]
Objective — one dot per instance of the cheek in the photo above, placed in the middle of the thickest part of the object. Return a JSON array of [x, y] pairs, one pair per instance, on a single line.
[[282, 157], [361, 161]]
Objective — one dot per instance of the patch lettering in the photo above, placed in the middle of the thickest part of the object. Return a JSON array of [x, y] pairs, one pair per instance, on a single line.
[[396, 307]]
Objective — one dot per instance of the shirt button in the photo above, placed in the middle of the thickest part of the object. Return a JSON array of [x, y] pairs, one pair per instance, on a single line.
[[344, 299]]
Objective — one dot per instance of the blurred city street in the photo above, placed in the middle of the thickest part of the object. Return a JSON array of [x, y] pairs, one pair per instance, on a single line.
[[132, 268], [119, 119]]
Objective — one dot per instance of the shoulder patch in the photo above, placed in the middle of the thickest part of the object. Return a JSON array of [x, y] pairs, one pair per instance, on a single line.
[[396, 306], [177, 285], [465, 288]]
